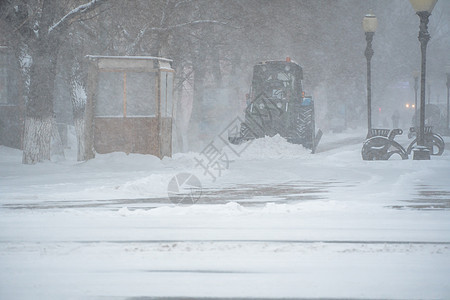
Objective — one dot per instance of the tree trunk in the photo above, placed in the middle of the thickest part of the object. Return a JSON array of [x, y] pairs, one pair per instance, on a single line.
[[39, 114], [36, 140], [197, 116], [78, 95], [79, 131], [78, 98], [161, 41], [178, 119], [56, 145], [216, 71]]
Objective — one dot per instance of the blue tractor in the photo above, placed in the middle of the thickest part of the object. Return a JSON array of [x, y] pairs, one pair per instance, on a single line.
[[277, 104]]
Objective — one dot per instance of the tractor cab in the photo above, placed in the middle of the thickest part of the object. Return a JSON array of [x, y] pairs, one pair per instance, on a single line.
[[278, 80]]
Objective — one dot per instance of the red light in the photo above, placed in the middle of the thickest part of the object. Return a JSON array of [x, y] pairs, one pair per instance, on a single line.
[[288, 59], [379, 109]]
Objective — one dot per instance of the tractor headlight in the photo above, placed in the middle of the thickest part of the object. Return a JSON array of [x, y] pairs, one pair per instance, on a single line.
[[279, 105], [261, 106]]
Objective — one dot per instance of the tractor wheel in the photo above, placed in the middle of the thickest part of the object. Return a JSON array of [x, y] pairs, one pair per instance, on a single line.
[[244, 130], [298, 131], [307, 124]]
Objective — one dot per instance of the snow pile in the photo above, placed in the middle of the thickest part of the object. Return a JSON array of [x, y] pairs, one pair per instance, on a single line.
[[181, 160], [120, 161], [10, 155], [235, 209], [228, 209], [275, 147], [149, 186], [297, 218]]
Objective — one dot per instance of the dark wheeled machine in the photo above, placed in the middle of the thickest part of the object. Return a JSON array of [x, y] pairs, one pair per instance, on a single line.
[[277, 105]]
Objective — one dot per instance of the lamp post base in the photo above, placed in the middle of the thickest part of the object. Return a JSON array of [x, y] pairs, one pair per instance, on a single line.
[[421, 153]]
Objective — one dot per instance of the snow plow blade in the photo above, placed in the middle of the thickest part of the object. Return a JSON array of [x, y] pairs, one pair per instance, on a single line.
[[237, 140], [317, 141]]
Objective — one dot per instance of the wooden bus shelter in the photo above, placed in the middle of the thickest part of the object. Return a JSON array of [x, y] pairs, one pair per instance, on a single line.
[[129, 106]]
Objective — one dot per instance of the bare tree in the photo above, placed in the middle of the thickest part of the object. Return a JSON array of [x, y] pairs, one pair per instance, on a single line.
[[36, 30]]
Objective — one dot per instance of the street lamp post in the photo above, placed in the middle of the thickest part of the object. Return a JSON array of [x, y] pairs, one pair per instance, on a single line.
[[416, 86], [447, 71], [369, 26], [423, 9]]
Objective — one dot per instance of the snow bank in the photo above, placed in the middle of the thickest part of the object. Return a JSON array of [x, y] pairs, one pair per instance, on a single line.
[[275, 147], [235, 209], [228, 209], [119, 161], [10, 155], [297, 218]]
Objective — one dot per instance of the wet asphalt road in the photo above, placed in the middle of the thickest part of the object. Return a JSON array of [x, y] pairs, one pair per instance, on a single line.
[[425, 197]]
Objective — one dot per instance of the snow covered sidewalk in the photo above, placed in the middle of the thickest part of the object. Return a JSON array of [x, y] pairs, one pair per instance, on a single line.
[[278, 223]]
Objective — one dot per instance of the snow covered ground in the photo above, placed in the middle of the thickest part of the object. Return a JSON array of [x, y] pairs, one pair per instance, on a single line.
[[278, 222]]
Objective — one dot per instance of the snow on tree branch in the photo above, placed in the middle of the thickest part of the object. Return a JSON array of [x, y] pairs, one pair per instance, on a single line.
[[146, 28], [64, 21], [188, 24], [182, 2]]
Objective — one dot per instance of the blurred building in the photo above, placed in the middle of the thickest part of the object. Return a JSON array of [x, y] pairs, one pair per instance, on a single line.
[[12, 105]]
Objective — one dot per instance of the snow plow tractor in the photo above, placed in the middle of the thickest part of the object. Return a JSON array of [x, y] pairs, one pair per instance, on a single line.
[[277, 105]]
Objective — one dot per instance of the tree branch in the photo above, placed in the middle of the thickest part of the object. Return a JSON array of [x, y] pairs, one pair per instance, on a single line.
[[82, 9], [182, 2], [168, 28]]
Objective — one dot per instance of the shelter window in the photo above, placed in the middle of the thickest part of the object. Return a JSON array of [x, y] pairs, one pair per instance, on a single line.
[[141, 94], [126, 94]]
